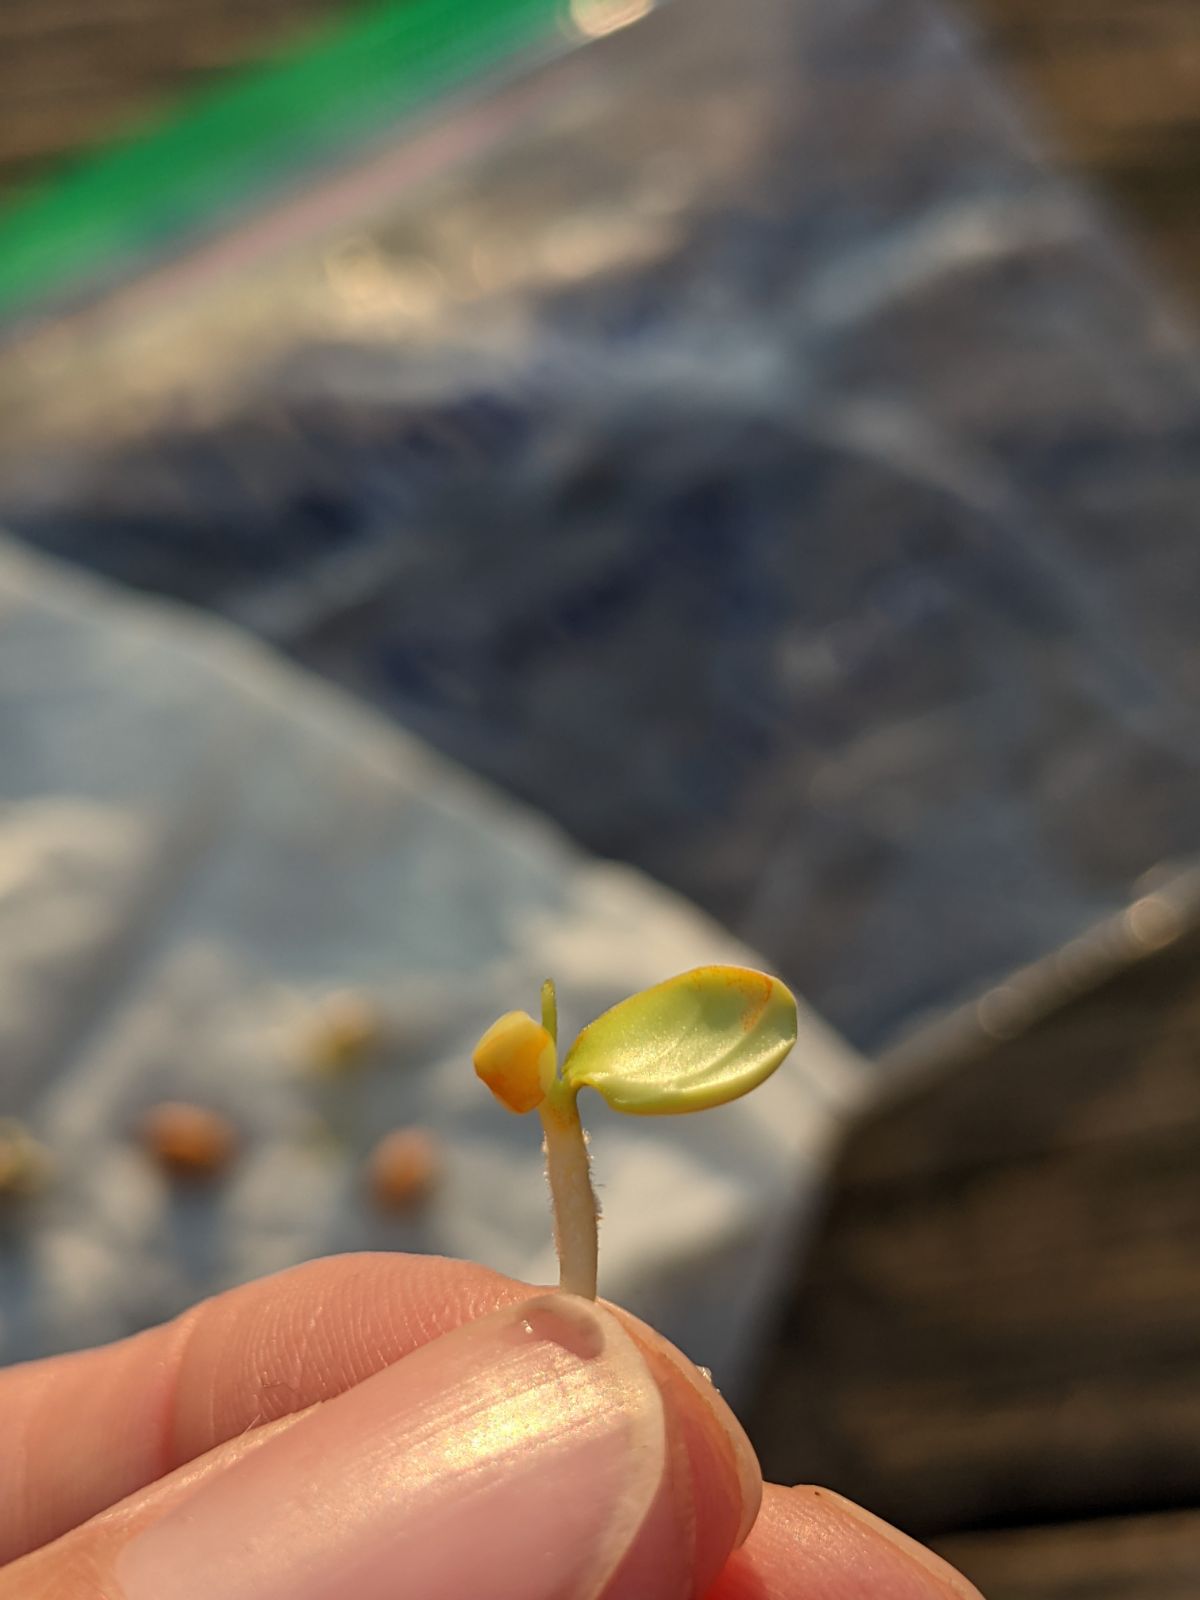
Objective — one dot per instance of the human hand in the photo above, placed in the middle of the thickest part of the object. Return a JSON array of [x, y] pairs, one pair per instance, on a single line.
[[381, 1426]]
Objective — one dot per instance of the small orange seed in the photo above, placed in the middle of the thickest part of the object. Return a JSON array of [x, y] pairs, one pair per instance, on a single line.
[[403, 1168], [188, 1140]]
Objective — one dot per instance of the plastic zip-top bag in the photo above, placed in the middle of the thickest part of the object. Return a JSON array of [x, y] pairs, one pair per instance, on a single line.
[[725, 436]]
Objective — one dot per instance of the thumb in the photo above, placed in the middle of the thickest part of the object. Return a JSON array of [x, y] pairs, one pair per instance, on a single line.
[[550, 1451]]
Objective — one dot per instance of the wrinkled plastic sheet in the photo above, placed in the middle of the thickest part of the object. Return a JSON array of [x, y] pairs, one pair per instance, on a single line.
[[729, 439]]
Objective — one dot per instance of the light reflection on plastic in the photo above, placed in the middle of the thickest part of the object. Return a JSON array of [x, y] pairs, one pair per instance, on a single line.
[[1001, 1014], [1153, 922], [595, 18], [369, 284]]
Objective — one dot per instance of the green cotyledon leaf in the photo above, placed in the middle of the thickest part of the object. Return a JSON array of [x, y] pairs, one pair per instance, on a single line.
[[697, 1040]]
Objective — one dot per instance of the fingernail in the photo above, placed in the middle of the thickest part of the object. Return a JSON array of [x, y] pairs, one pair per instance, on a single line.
[[526, 1456], [712, 1407], [951, 1582]]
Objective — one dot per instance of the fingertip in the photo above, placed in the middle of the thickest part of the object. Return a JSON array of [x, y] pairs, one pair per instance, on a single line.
[[811, 1543], [887, 1544], [587, 1463], [278, 1344]]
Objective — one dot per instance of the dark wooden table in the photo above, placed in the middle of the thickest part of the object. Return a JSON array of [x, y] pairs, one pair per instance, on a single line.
[[1115, 87], [996, 1338]]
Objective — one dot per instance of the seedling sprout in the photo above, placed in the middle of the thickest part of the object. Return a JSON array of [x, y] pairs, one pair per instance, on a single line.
[[697, 1040]]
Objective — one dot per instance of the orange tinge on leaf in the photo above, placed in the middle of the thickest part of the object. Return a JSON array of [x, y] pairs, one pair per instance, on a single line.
[[515, 1058]]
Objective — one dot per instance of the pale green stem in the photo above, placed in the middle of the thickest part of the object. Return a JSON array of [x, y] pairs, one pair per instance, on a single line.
[[569, 1170], [576, 1213], [550, 1009]]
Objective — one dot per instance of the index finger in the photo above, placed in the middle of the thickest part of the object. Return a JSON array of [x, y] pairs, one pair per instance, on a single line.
[[812, 1544]]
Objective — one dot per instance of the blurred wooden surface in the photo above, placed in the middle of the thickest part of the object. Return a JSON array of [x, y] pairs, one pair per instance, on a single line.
[[74, 73], [1154, 1558], [1115, 87], [998, 1326]]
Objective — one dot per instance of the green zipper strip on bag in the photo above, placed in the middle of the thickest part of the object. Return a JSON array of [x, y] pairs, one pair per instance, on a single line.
[[373, 65]]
